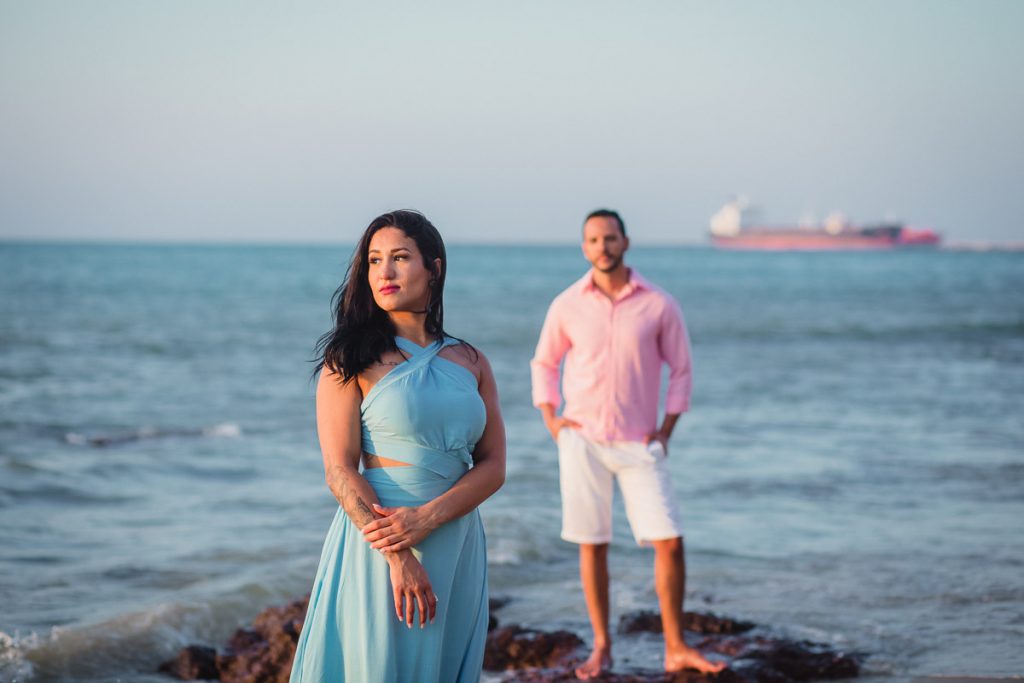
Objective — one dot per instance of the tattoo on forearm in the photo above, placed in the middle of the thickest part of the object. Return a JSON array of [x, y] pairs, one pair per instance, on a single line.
[[365, 510], [354, 505]]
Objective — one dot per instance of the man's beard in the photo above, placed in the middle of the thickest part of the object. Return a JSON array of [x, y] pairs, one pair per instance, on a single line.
[[616, 262]]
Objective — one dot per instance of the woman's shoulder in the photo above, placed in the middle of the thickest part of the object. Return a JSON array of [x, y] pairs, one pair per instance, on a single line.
[[466, 355], [332, 386]]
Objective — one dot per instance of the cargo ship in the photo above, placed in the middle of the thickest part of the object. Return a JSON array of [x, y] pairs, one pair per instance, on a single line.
[[730, 231]]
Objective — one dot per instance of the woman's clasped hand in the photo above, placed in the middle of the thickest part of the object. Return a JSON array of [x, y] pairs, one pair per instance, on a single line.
[[399, 528]]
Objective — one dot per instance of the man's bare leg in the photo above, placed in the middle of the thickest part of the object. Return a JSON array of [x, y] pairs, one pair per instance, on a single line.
[[670, 584], [594, 574]]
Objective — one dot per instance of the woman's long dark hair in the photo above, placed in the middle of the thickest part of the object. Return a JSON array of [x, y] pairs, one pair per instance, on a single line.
[[362, 329]]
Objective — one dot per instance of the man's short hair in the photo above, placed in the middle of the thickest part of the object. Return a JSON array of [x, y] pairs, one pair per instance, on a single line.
[[607, 213]]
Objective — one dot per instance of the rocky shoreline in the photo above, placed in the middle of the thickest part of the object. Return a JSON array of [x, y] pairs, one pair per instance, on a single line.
[[263, 652]]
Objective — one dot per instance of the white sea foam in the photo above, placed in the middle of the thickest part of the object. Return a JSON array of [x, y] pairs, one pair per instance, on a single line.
[[128, 642], [224, 429], [76, 439], [221, 430], [505, 551], [497, 557], [13, 666]]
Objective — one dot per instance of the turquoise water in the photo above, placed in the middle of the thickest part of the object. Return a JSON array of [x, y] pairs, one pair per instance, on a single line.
[[852, 470]]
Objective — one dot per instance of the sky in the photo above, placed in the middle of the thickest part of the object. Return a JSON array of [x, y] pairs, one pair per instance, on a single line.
[[505, 122]]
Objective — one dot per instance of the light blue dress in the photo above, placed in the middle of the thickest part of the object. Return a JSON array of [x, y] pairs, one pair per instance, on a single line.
[[426, 412]]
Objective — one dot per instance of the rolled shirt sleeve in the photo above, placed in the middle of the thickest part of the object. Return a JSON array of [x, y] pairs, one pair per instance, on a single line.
[[674, 345], [547, 360]]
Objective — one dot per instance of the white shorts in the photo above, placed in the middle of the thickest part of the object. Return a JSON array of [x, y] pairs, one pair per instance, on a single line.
[[586, 469]]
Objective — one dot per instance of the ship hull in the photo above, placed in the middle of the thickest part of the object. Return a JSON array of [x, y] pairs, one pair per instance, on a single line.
[[823, 241]]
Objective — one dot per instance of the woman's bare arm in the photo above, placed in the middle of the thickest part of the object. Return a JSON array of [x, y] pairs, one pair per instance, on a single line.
[[340, 431], [338, 426]]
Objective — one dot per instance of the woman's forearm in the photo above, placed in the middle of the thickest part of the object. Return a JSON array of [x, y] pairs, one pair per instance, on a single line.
[[472, 489], [356, 497], [353, 492]]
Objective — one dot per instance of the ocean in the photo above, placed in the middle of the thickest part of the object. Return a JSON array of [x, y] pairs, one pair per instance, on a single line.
[[851, 471]]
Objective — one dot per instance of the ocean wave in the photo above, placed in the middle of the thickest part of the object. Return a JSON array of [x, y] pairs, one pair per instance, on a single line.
[[228, 430], [824, 489], [127, 646], [513, 552], [131, 645], [22, 465], [982, 473], [855, 332], [64, 494], [986, 482]]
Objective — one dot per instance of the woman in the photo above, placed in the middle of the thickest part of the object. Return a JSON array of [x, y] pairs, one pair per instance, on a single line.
[[420, 410]]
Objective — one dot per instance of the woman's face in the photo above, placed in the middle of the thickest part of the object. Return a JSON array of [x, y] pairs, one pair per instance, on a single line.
[[397, 276]]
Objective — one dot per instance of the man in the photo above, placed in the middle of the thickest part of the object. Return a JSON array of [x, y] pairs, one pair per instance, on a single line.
[[615, 330]]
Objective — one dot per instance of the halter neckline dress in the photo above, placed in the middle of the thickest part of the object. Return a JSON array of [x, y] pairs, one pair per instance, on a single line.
[[426, 412]]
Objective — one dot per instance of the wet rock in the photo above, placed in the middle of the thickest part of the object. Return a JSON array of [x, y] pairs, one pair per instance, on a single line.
[[568, 675], [752, 658], [261, 654], [767, 660], [264, 653], [512, 647], [697, 622], [194, 662], [493, 605]]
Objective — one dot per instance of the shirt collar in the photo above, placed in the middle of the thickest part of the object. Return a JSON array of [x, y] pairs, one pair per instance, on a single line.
[[636, 281]]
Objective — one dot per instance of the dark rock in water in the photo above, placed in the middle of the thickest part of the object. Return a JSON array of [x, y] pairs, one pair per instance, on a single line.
[[264, 653], [512, 647], [494, 604], [568, 675], [697, 622], [194, 662], [752, 658], [261, 654], [768, 660]]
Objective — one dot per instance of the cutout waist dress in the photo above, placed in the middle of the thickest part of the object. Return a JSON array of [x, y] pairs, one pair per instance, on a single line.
[[426, 412]]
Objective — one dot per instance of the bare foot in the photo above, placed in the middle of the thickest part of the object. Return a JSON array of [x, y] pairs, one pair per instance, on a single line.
[[688, 658], [599, 661]]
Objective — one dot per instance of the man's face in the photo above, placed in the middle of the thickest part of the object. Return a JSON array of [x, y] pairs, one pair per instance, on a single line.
[[603, 243]]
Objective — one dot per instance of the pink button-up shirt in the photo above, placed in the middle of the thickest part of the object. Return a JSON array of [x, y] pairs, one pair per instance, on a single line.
[[613, 353]]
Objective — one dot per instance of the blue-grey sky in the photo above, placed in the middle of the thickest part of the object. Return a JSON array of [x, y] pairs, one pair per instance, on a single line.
[[262, 121]]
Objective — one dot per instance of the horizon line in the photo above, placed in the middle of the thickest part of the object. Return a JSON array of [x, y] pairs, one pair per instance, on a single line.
[[129, 242]]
